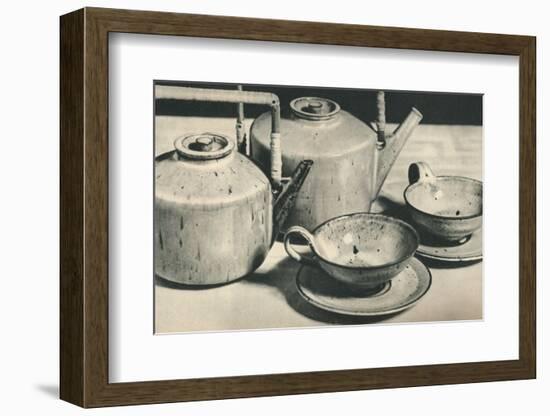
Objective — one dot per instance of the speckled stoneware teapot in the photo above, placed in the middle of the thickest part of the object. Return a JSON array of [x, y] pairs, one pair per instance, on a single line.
[[216, 213], [351, 159]]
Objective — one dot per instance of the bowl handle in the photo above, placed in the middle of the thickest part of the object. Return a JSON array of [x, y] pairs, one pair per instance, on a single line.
[[307, 260], [420, 172]]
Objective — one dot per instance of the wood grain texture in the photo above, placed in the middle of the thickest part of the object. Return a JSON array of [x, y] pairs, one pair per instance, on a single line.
[[527, 208], [71, 213], [84, 207]]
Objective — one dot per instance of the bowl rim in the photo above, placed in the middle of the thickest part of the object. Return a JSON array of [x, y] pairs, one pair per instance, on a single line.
[[412, 186], [370, 214]]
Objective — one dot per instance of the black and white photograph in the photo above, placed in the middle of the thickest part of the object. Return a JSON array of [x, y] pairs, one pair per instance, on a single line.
[[293, 206], [274, 208]]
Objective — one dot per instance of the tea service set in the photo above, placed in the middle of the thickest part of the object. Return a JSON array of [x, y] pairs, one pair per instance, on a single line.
[[367, 260], [325, 168]]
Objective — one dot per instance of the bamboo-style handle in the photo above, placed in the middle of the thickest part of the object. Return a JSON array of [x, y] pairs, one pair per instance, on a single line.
[[276, 152], [237, 97], [381, 122], [214, 95]]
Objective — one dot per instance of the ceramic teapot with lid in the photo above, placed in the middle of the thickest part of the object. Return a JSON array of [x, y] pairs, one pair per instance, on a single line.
[[216, 213], [351, 158]]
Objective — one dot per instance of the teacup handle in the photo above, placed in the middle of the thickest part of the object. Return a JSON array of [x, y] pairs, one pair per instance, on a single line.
[[420, 172], [310, 261]]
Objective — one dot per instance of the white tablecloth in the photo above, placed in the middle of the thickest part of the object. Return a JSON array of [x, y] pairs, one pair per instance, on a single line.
[[268, 298]]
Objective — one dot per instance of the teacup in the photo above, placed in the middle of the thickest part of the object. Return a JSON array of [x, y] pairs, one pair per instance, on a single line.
[[362, 250], [448, 208]]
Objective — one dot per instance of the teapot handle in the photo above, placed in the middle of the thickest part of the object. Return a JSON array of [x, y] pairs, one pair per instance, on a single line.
[[236, 97], [381, 121], [307, 260], [420, 172]]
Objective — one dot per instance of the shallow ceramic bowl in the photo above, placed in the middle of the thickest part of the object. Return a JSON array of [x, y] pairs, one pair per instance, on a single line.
[[362, 250], [448, 208]]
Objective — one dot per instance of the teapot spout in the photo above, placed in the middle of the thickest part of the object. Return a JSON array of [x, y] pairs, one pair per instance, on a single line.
[[389, 148], [285, 198]]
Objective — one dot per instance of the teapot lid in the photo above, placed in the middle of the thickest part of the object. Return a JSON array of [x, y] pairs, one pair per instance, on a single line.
[[314, 108], [204, 146]]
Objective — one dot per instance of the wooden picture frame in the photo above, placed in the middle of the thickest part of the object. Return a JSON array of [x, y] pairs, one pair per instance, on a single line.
[[84, 207]]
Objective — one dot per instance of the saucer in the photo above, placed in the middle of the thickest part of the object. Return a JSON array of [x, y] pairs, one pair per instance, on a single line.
[[402, 292], [469, 251]]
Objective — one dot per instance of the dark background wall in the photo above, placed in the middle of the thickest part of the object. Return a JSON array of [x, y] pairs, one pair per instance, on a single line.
[[437, 108]]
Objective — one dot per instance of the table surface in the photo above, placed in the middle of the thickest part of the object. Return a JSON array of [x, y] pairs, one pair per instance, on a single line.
[[268, 298]]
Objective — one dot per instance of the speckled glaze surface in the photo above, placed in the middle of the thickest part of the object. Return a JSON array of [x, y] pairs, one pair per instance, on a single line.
[[446, 207], [401, 293], [213, 217], [348, 168], [361, 250], [469, 251]]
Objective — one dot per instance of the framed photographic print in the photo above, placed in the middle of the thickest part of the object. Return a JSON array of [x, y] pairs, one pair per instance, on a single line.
[[256, 207]]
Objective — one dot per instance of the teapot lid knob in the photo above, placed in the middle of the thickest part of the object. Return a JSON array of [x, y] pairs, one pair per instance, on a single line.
[[204, 146], [314, 108], [204, 143]]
